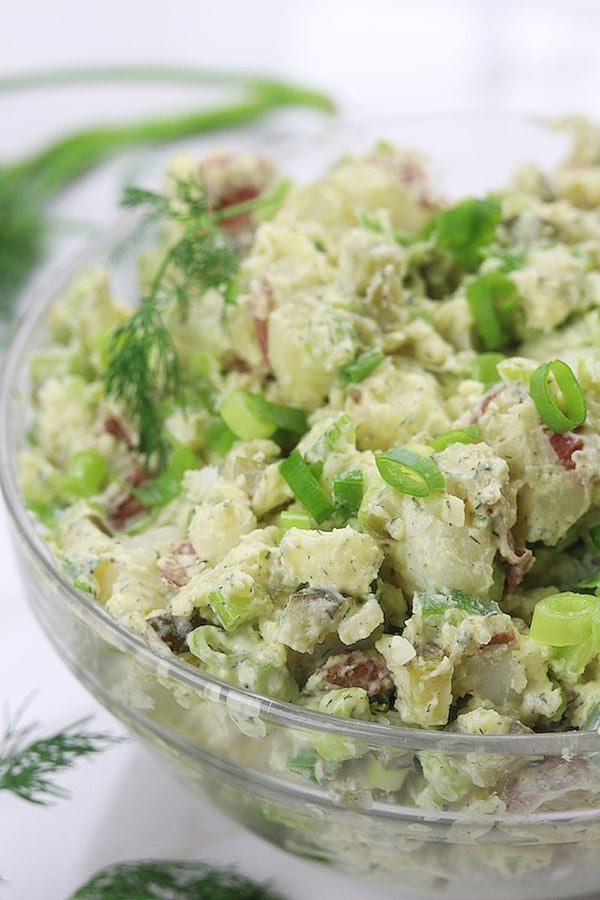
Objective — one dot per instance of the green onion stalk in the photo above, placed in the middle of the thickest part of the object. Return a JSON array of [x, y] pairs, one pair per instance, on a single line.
[[27, 185]]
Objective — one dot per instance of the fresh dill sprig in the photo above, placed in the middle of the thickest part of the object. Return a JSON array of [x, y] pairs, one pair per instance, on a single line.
[[176, 880], [143, 370], [27, 768]]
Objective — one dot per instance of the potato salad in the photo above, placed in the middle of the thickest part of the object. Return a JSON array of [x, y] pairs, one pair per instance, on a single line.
[[343, 450]]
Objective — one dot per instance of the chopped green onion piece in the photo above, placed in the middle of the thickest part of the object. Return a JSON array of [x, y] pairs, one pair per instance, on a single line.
[[469, 435], [409, 473], [563, 620], [348, 491], [218, 437], [359, 368], [558, 396], [295, 518], [306, 488], [86, 474], [485, 368], [288, 418], [493, 301], [465, 229], [45, 512], [167, 485], [252, 416], [246, 415]]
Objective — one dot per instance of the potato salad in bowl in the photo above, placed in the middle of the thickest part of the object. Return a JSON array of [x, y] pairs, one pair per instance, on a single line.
[[316, 508]]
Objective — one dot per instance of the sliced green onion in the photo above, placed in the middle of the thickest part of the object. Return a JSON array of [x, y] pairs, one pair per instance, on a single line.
[[348, 491], [469, 435], [465, 229], [45, 512], [306, 488], [558, 396], [359, 368], [563, 620], [485, 368], [409, 473], [86, 474], [252, 416], [218, 437], [167, 485], [295, 518], [288, 418], [493, 301]]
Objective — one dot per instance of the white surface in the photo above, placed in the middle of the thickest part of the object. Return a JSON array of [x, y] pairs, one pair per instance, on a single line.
[[382, 56]]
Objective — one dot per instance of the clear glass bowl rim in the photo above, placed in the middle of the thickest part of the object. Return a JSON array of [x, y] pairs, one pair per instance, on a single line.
[[35, 304]]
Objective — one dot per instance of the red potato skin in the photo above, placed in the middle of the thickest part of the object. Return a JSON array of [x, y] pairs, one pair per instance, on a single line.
[[357, 669], [564, 446]]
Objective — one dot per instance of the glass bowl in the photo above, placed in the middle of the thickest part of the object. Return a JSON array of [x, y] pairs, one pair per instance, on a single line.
[[538, 833]]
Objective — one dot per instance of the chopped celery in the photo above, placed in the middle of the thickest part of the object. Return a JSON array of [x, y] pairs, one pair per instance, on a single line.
[[382, 779], [307, 762], [437, 602], [246, 415], [235, 611], [569, 663], [252, 416], [445, 778]]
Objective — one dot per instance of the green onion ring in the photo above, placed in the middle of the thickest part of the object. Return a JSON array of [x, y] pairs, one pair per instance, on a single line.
[[305, 486], [409, 473], [469, 435], [559, 416], [563, 620]]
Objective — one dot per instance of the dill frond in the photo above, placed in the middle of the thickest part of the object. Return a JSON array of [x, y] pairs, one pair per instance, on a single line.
[[177, 880], [28, 768], [143, 370]]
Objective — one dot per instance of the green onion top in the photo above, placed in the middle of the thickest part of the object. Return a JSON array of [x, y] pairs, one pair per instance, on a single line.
[[306, 488], [469, 435], [485, 367], [252, 416], [493, 302], [558, 396], [361, 367], [409, 472], [465, 229], [348, 491]]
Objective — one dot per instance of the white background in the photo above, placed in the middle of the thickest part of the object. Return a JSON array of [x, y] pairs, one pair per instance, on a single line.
[[382, 56]]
